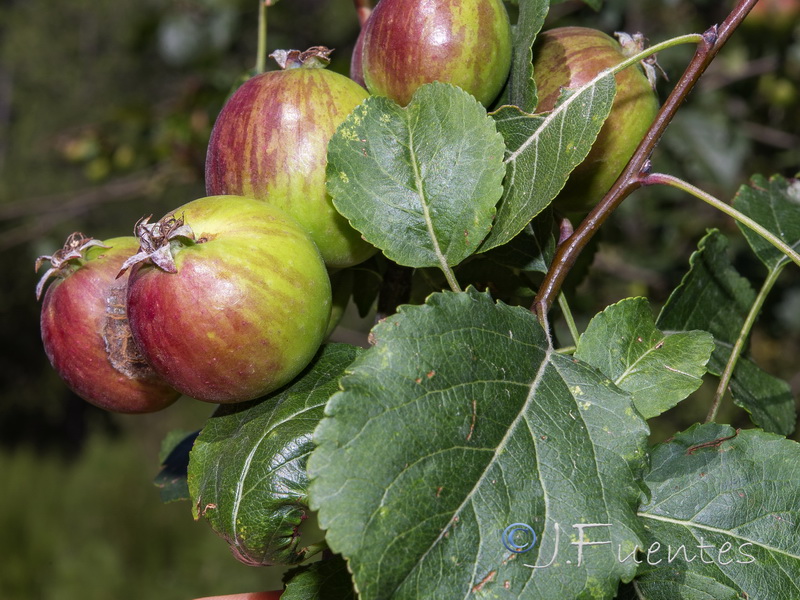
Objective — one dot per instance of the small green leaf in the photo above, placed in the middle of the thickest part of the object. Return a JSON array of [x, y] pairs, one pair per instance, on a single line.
[[174, 457], [658, 370], [247, 473], [769, 400], [775, 205], [420, 182], [542, 150], [715, 298], [459, 422], [521, 88], [321, 580], [726, 511]]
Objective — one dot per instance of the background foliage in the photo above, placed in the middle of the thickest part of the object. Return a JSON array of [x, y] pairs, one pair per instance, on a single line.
[[105, 112]]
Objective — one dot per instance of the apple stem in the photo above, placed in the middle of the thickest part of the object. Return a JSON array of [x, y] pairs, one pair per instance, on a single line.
[[261, 50], [634, 174]]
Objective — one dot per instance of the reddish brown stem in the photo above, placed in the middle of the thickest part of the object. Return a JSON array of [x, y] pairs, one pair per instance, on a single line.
[[363, 10], [639, 164]]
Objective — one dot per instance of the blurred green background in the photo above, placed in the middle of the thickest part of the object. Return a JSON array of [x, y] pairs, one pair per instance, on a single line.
[[105, 111]]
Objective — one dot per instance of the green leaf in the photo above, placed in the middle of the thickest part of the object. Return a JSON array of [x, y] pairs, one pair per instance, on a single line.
[[521, 88], [658, 370], [769, 400], [542, 150], [715, 298], [532, 249], [321, 580], [727, 513], [174, 457], [775, 205], [420, 182], [247, 472], [460, 422]]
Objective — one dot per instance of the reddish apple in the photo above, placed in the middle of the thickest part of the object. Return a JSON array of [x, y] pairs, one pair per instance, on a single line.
[[408, 43], [270, 142], [228, 298], [85, 328]]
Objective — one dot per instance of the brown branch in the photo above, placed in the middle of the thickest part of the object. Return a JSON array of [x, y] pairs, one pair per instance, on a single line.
[[49, 211], [79, 200], [630, 179]]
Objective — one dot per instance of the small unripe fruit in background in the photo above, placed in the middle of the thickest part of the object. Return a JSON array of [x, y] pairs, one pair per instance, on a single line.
[[569, 57], [229, 298], [408, 43], [85, 329], [270, 142]]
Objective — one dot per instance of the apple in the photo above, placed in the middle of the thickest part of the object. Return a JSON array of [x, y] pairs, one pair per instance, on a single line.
[[85, 328], [270, 142], [228, 298], [408, 43], [569, 57]]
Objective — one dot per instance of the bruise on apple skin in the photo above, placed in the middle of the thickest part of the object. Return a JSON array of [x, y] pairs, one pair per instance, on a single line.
[[122, 352]]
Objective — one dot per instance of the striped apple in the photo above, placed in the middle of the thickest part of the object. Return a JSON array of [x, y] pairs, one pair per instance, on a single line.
[[569, 57], [85, 328], [228, 299], [408, 43], [270, 142]]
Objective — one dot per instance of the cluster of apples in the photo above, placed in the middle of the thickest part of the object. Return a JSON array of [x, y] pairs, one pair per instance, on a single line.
[[228, 297]]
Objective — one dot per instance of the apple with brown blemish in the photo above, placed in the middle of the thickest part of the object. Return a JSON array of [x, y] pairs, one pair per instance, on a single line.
[[85, 329]]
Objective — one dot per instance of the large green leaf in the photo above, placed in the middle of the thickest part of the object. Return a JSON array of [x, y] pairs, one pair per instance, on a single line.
[[727, 513], [775, 204], [459, 423], [542, 150], [658, 370], [420, 182], [247, 473], [715, 298]]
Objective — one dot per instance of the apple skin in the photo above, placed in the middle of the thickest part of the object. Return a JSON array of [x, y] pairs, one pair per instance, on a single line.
[[270, 142], [779, 15], [356, 68], [570, 57], [87, 338], [408, 43], [246, 310]]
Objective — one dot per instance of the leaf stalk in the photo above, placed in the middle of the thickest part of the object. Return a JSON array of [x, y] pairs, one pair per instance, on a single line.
[[670, 180], [741, 340]]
